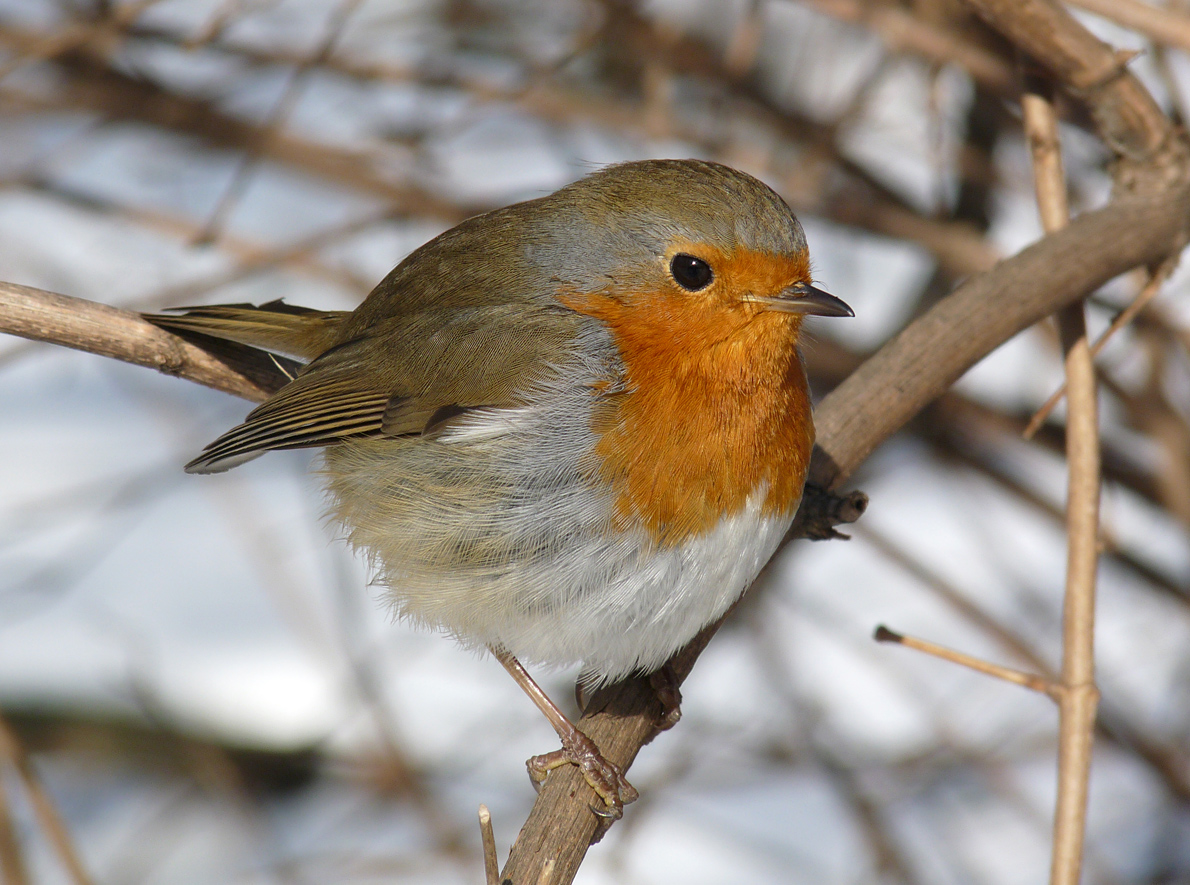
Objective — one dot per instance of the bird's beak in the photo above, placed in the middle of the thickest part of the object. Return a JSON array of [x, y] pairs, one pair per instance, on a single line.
[[805, 299]]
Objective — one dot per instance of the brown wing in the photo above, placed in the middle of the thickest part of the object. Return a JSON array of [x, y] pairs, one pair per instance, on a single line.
[[406, 376], [278, 327]]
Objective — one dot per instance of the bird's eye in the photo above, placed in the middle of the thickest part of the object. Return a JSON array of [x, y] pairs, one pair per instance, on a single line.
[[691, 273]]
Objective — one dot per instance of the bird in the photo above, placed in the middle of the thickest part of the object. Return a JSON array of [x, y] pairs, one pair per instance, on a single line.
[[570, 431]]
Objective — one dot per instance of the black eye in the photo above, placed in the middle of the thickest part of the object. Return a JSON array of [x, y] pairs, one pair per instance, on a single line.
[[691, 273]]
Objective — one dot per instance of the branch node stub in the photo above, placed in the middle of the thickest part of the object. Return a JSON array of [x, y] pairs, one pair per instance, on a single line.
[[822, 510], [170, 361]]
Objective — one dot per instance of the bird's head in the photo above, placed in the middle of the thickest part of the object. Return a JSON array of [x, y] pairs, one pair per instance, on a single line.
[[684, 255]]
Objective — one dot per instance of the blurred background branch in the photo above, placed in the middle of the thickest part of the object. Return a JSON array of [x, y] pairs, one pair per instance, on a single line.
[[164, 645]]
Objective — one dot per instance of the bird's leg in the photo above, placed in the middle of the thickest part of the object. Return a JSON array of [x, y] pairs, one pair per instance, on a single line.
[[605, 778]]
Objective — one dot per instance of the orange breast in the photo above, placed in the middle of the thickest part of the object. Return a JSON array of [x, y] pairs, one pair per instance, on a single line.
[[716, 402]]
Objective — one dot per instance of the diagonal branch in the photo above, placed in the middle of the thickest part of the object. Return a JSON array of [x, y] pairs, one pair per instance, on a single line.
[[123, 335], [930, 354], [1129, 120], [1165, 25], [48, 816]]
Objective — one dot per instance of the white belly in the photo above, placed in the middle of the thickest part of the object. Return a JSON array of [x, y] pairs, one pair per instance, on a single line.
[[496, 534], [651, 602]]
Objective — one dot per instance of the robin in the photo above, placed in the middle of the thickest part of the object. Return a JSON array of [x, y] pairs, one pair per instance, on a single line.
[[571, 430]]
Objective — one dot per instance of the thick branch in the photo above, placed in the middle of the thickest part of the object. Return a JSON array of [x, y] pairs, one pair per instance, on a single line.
[[1128, 119], [930, 355]]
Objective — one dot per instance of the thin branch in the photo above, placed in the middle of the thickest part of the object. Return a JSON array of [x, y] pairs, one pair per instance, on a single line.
[[120, 334], [1031, 681], [12, 862], [1164, 761], [43, 805], [955, 600], [904, 32], [1127, 315], [491, 865], [1079, 697], [1160, 24]]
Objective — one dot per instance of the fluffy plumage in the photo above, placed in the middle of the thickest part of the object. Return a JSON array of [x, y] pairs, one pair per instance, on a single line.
[[543, 441]]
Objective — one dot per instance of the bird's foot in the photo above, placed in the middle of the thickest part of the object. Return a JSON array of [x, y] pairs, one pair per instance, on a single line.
[[605, 778]]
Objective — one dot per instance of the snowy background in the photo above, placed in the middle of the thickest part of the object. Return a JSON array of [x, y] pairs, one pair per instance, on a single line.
[[210, 690]]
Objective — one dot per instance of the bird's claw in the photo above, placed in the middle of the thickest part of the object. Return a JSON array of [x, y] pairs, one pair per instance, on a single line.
[[605, 778]]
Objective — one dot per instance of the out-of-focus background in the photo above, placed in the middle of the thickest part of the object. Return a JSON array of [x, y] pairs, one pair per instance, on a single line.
[[203, 679]]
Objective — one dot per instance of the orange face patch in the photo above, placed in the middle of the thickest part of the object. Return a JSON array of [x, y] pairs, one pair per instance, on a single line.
[[716, 403]]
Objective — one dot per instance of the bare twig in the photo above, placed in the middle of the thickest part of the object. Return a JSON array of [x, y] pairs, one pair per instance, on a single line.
[[12, 862], [1078, 698], [1031, 681], [491, 865], [280, 112], [1164, 761], [43, 806], [1158, 23], [1127, 315], [904, 32], [109, 331]]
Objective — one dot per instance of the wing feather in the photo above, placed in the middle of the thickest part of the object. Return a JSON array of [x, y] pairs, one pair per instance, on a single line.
[[405, 376]]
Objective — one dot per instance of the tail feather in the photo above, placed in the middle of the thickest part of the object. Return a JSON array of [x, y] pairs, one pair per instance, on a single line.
[[278, 327]]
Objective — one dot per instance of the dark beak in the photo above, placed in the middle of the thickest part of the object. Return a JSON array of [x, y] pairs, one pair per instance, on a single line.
[[805, 299]]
